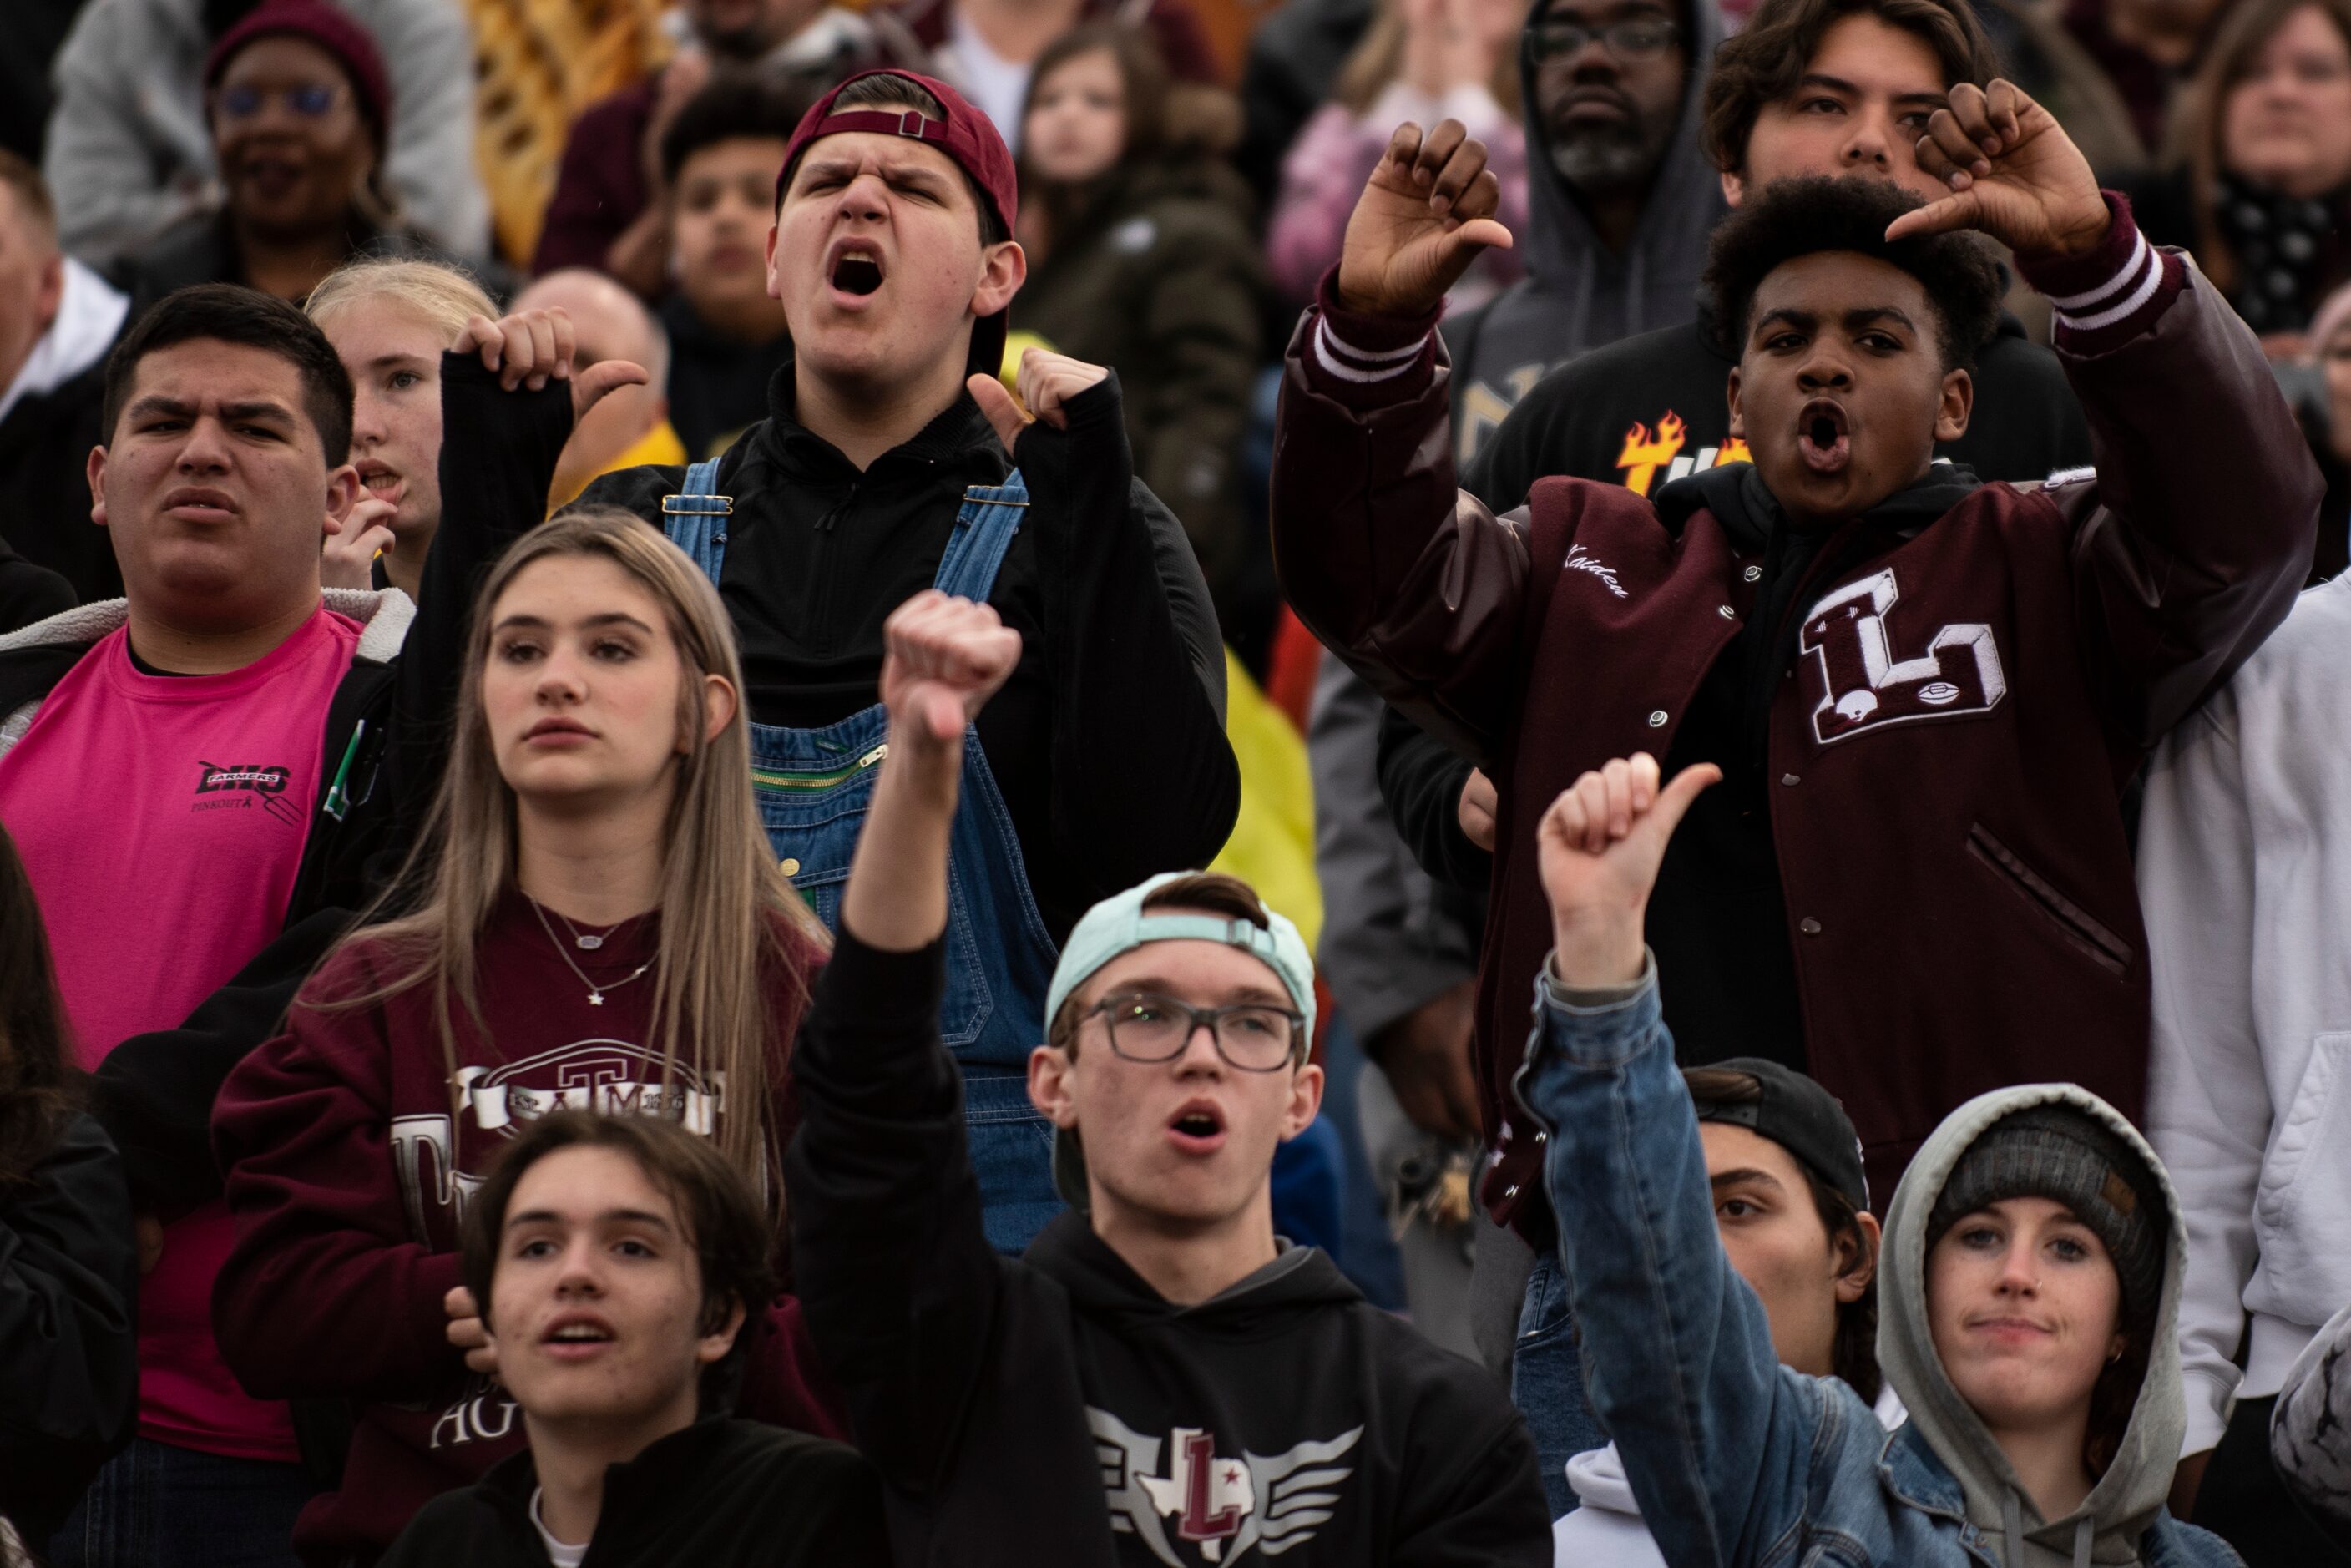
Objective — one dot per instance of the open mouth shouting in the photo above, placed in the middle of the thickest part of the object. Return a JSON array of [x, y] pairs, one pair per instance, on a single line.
[[575, 1336], [855, 268], [1197, 1127], [1823, 437]]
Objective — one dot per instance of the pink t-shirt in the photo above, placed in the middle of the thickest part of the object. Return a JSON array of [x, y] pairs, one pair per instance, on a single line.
[[162, 820]]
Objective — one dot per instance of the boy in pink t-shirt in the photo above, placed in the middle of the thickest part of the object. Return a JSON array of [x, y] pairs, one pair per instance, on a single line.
[[199, 779], [165, 795]]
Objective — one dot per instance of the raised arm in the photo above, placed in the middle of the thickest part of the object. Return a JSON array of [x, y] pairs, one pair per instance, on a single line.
[[1405, 577], [896, 1280], [2194, 537], [1143, 780], [1713, 1432]]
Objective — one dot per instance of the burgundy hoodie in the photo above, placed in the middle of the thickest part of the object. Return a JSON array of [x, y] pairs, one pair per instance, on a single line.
[[347, 1175]]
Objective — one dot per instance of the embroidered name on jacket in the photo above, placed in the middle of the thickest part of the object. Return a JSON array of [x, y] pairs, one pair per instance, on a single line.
[[1580, 559], [1179, 1490], [1864, 687]]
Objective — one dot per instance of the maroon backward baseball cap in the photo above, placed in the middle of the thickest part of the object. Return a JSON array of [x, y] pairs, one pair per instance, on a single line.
[[965, 135], [315, 22]]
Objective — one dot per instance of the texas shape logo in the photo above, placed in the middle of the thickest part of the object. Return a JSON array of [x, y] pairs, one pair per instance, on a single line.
[[1219, 1505], [1864, 687]]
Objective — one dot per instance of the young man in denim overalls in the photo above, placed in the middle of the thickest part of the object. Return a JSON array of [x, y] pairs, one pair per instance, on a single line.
[[883, 470]]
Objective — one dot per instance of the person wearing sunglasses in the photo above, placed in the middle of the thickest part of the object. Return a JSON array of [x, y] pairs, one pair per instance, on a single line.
[[300, 107], [1159, 1379]]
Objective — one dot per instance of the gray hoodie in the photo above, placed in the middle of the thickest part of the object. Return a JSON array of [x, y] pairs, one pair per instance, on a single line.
[[1577, 294], [2107, 1527]]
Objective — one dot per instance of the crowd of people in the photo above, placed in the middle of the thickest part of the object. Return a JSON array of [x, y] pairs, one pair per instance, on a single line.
[[1391, 782]]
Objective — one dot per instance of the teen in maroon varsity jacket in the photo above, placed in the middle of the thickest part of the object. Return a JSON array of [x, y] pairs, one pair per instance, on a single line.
[[595, 922], [1926, 693]]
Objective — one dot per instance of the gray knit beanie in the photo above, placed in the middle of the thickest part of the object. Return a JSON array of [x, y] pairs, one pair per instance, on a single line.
[[2065, 1154]]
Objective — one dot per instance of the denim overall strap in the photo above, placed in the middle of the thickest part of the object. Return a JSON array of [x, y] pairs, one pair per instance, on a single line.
[[991, 516], [695, 518], [814, 787]]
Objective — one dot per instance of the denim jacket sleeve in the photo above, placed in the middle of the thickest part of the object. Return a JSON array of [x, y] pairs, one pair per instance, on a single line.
[[1715, 1434]]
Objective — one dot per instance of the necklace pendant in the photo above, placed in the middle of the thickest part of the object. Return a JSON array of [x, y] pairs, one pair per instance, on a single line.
[[590, 942], [595, 998]]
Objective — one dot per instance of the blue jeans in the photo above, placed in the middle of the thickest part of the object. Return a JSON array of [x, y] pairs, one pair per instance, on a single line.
[[1547, 1381], [157, 1506]]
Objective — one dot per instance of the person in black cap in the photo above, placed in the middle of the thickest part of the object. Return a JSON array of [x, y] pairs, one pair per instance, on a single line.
[[1792, 1207]]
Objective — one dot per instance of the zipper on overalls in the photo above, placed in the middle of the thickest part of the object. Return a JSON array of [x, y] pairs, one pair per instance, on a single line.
[[815, 778]]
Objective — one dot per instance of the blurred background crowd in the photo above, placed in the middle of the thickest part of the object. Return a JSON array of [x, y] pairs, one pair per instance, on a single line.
[[1187, 168]]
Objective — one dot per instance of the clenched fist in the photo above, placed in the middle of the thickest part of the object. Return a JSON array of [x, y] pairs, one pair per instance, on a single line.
[[942, 659]]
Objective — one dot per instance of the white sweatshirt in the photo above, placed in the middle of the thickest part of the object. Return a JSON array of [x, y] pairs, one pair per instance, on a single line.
[[1607, 1531], [2244, 871]]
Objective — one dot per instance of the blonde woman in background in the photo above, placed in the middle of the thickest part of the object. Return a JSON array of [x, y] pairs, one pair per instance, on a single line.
[[390, 320]]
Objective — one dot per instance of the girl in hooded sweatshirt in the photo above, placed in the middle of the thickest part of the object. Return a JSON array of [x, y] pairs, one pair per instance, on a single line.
[[591, 919], [2028, 1294]]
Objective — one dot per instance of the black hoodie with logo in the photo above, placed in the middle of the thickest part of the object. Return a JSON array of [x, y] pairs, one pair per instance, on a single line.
[[1056, 1409]]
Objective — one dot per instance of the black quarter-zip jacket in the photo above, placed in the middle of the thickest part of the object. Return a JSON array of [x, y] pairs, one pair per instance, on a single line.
[[1108, 741]]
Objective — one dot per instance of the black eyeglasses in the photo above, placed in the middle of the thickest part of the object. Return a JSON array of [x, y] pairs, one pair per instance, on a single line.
[[1145, 1026], [1627, 37], [305, 100]]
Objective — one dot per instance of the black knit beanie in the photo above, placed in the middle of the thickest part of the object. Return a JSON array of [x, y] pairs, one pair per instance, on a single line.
[[2067, 1155]]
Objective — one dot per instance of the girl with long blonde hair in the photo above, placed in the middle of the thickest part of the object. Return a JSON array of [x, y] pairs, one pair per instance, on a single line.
[[591, 919]]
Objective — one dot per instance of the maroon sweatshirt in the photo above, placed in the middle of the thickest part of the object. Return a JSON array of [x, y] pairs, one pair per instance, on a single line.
[[348, 1176], [1949, 744]]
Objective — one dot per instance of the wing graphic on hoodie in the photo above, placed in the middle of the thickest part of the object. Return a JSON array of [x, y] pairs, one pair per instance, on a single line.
[[1298, 1492], [1127, 1459]]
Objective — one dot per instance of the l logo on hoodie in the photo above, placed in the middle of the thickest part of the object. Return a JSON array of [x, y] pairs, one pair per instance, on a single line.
[[1222, 1506]]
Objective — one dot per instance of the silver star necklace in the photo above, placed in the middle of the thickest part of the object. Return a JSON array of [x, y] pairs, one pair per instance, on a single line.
[[595, 991]]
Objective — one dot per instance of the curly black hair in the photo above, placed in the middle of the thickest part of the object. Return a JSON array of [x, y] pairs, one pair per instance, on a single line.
[[1792, 218]]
